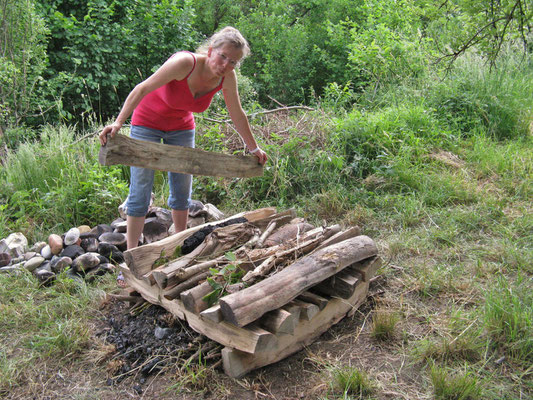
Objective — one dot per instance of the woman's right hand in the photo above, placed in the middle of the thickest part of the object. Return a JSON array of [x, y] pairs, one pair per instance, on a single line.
[[109, 130]]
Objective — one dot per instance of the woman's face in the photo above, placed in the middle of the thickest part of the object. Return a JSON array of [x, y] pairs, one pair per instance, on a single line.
[[224, 59]]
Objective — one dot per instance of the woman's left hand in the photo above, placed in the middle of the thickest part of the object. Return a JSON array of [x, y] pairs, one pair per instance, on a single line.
[[261, 156]]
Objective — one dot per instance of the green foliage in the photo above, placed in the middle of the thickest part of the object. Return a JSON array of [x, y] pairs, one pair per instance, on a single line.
[[351, 381], [221, 278], [98, 54], [22, 61], [456, 387], [509, 318]]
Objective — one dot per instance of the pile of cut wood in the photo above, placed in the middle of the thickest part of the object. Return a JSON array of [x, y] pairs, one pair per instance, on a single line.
[[262, 283]]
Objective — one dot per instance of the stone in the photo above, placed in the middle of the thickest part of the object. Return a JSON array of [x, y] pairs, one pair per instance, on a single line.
[[154, 230], [11, 269], [74, 276], [85, 262], [111, 252], [98, 230], [72, 236], [44, 276], [103, 259], [30, 254], [99, 270], [3, 246], [213, 213], [46, 252], [33, 263], [161, 333], [89, 244], [46, 265], [84, 229], [56, 243], [5, 259], [17, 244], [196, 208], [61, 264], [72, 251], [114, 238], [116, 222], [37, 247], [163, 215], [122, 210]]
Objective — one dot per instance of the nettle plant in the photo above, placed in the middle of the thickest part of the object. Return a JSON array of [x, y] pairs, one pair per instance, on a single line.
[[220, 279]]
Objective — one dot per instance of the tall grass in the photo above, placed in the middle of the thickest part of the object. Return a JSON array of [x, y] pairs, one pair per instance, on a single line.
[[55, 183]]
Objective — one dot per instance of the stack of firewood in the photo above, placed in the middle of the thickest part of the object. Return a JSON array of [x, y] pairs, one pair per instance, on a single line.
[[257, 275]]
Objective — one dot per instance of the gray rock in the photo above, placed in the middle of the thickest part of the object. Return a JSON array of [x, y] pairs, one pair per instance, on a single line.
[[61, 264], [72, 236], [99, 270], [11, 269], [74, 276], [116, 222], [111, 252], [114, 238], [72, 251], [90, 244], [161, 333], [154, 230], [33, 263], [30, 254], [44, 276], [5, 259], [3, 246], [85, 262], [100, 229]]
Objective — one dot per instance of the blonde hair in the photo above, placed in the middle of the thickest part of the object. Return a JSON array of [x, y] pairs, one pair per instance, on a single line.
[[227, 35]]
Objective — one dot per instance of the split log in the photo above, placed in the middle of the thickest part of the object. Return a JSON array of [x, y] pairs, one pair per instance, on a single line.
[[138, 153], [367, 268], [340, 236], [278, 321], [288, 232], [212, 314], [341, 285], [193, 298], [140, 259], [284, 216], [283, 256], [249, 304], [174, 292], [313, 298]]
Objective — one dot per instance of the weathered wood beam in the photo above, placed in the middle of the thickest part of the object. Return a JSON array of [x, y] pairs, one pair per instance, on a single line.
[[124, 150]]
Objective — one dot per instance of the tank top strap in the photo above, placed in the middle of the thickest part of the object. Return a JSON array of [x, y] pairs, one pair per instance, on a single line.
[[194, 63]]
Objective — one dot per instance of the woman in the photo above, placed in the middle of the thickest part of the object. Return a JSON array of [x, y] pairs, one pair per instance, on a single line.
[[162, 107]]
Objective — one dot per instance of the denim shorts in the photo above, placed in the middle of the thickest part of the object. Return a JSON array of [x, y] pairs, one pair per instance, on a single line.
[[142, 179]]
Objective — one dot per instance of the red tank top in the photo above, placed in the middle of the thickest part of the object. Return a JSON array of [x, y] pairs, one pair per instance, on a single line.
[[170, 107]]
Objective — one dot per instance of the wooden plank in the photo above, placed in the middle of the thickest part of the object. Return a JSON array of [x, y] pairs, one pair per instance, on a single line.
[[340, 285], [237, 363], [152, 293], [247, 305], [124, 150], [250, 339], [278, 321], [313, 298], [367, 268], [140, 259], [340, 236]]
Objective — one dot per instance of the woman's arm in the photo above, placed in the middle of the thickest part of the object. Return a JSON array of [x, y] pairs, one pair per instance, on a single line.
[[176, 67], [238, 116]]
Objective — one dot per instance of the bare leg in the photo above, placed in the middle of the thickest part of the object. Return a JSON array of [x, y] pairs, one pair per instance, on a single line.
[[135, 227], [179, 217]]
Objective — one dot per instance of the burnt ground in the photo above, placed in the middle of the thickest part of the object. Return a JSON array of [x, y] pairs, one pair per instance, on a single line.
[[128, 361]]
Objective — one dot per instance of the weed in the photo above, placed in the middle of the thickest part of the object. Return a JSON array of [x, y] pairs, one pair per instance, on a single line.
[[454, 387], [350, 381], [384, 325]]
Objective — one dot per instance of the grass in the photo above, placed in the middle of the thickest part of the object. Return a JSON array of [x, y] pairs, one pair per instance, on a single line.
[[350, 381], [460, 386]]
